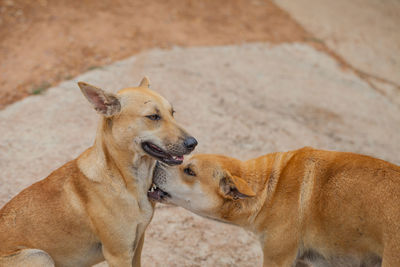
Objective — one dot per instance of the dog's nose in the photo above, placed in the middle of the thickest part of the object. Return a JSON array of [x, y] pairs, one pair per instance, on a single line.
[[190, 143]]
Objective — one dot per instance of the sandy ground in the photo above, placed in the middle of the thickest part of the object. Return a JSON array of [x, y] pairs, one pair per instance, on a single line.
[[45, 42], [243, 101]]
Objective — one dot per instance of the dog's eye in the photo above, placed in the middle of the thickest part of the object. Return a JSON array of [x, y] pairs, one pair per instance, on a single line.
[[189, 171], [154, 117]]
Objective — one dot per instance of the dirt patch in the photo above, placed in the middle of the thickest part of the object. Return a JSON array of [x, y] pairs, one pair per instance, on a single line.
[[45, 42]]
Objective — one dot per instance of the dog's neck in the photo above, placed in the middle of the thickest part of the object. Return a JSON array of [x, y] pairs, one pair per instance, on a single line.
[[119, 166], [262, 174]]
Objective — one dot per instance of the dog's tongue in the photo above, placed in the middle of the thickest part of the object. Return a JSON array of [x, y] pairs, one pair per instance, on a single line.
[[180, 158], [155, 195]]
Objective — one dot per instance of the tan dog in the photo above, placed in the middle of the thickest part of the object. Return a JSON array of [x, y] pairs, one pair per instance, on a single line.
[[96, 207], [306, 204]]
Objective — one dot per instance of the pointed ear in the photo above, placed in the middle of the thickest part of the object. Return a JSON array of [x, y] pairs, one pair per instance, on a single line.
[[106, 104], [145, 82], [235, 187]]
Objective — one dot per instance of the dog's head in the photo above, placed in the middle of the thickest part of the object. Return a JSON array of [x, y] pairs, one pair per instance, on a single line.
[[140, 120], [209, 185]]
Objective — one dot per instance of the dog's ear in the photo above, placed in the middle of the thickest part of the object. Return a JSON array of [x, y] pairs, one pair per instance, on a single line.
[[106, 104], [235, 187], [145, 82]]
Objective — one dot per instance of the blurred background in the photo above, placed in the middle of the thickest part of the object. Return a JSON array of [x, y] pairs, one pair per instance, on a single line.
[[246, 77]]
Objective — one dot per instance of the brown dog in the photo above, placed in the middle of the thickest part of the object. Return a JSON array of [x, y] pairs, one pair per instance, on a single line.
[[96, 207], [306, 204]]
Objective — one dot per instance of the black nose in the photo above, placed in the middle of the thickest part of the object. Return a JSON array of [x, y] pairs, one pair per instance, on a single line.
[[190, 143]]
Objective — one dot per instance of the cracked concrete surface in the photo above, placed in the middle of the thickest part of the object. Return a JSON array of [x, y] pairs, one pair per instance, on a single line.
[[243, 101], [365, 33]]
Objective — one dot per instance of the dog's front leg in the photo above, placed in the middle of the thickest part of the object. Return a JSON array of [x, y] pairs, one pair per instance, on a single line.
[[138, 253], [280, 249], [282, 258], [119, 245], [122, 259]]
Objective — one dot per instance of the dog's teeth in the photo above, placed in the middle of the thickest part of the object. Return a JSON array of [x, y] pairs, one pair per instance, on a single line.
[[177, 157], [153, 187]]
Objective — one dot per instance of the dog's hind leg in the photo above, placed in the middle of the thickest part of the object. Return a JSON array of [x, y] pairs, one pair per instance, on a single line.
[[27, 257]]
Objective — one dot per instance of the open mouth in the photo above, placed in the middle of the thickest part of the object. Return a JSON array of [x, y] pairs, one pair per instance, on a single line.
[[155, 193], [161, 155]]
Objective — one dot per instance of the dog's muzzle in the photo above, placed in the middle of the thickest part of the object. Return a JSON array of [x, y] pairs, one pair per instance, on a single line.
[[159, 178]]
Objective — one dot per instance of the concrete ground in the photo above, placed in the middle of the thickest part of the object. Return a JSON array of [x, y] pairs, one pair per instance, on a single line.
[[242, 101], [365, 33]]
